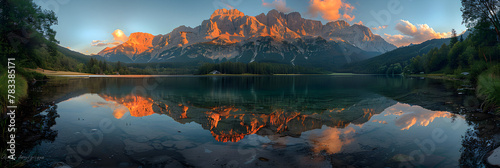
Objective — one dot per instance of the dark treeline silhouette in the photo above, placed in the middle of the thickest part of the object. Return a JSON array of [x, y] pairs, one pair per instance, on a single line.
[[256, 68]]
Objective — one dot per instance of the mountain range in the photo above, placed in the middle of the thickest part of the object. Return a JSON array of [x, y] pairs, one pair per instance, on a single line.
[[230, 35]]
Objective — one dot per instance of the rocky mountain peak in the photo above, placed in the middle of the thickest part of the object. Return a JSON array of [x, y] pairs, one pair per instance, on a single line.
[[228, 27], [141, 38], [339, 24], [227, 13]]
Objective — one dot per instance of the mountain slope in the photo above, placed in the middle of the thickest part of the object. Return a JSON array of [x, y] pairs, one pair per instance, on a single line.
[[275, 36], [400, 55]]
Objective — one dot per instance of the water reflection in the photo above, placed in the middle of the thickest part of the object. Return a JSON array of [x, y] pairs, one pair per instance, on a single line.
[[411, 115], [137, 106], [258, 121], [331, 140]]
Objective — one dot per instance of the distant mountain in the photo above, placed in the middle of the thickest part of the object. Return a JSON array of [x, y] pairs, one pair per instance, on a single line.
[[275, 37], [399, 55], [79, 57]]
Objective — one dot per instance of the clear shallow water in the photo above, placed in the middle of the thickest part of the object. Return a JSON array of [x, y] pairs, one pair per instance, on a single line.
[[249, 121]]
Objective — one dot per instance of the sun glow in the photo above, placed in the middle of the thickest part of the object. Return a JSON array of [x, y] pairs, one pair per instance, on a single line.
[[119, 35]]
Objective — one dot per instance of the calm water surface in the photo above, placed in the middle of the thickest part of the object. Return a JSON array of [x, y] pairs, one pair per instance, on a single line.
[[255, 121]]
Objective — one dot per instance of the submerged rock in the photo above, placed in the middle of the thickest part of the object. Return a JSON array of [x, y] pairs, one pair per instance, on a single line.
[[136, 147], [157, 146], [494, 158], [168, 144]]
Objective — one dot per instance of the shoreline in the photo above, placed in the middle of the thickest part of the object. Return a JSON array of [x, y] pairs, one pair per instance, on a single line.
[[56, 73], [435, 76], [69, 74]]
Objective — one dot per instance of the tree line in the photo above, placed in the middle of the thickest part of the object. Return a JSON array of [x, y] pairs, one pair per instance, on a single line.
[[472, 55], [256, 68]]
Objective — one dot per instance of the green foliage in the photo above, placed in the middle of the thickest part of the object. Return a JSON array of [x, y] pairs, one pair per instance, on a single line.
[[21, 88], [453, 55], [488, 88], [256, 68], [476, 68], [26, 27], [454, 38], [477, 55], [476, 12], [394, 69], [471, 55]]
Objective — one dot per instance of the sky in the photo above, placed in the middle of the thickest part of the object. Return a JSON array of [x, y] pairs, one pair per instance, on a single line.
[[91, 25]]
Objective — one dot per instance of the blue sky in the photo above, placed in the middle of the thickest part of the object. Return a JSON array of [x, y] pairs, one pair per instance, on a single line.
[[398, 21]]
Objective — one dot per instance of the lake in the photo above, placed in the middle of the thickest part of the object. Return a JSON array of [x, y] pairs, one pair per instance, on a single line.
[[255, 121]]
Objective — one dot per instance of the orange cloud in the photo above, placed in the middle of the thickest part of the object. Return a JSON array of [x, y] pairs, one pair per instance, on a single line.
[[359, 23], [331, 140], [412, 34], [380, 27], [119, 35], [331, 9], [279, 5]]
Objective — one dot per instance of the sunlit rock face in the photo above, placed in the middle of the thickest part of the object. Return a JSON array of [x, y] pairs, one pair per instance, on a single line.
[[138, 45], [138, 106], [226, 32]]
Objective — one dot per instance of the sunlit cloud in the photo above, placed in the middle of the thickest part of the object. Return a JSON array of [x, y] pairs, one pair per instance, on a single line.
[[359, 23], [279, 5], [118, 109], [412, 34], [118, 38], [331, 9], [379, 28], [409, 116], [99, 43], [119, 35], [331, 140]]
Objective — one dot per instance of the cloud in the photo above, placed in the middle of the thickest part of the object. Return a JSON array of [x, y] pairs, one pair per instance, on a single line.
[[331, 140], [119, 35], [359, 23], [118, 38], [99, 43], [279, 5], [331, 9], [409, 116], [412, 34], [380, 27]]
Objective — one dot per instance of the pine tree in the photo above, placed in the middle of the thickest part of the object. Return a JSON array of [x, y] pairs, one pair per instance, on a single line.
[[454, 38]]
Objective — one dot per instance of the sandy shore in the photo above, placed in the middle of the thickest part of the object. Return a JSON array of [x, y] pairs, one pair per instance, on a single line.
[[57, 73]]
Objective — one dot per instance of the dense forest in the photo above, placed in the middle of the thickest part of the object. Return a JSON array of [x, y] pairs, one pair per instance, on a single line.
[[98, 66], [472, 55]]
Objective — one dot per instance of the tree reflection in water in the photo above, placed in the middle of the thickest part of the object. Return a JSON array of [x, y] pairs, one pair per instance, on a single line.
[[34, 121], [479, 140]]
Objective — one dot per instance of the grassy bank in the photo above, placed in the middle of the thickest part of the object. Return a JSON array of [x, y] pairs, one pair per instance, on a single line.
[[488, 89], [23, 77], [21, 88]]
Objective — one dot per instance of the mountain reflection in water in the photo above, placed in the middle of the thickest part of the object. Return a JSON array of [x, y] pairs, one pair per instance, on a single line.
[[292, 121], [236, 123]]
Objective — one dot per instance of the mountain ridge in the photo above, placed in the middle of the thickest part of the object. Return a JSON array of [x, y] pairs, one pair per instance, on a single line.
[[228, 31]]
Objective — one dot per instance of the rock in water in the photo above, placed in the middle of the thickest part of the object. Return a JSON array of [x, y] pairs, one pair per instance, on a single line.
[[494, 158]]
